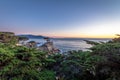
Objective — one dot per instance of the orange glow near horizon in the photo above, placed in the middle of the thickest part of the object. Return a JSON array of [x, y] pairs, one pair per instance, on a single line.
[[73, 35], [81, 36], [106, 28], [76, 35]]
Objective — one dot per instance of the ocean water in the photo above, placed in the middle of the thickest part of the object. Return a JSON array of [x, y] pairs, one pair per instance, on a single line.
[[67, 44]]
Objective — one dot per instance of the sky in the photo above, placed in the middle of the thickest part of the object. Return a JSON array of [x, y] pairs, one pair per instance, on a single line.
[[61, 18]]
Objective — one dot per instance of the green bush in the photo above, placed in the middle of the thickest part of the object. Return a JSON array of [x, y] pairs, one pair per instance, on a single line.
[[22, 63], [106, 49]]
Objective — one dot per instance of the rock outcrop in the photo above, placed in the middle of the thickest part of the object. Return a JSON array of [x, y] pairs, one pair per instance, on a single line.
[[31, 44], [49, 47], [8, 37]]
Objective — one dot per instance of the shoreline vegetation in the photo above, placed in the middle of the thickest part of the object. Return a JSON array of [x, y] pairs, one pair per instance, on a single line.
[[44, 62]]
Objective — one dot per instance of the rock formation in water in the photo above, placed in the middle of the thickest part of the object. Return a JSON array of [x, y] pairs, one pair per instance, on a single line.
[[31, 44], [49, 47]]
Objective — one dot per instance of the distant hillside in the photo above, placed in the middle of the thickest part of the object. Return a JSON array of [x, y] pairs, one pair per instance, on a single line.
[[32, 36]]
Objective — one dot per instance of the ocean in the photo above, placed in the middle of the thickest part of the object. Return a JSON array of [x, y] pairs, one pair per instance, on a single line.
[[67, 44]]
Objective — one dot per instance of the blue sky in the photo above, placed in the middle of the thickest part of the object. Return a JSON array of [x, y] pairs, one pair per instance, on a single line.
[[61, 18]]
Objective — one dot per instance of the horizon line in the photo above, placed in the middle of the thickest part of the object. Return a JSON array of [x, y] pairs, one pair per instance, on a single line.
[[67, 37]]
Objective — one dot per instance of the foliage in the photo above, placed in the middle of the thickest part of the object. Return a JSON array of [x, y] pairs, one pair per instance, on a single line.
[[106, 49], [117, 39], [109, 69], [74, 66], [8, 37], [22, 63]]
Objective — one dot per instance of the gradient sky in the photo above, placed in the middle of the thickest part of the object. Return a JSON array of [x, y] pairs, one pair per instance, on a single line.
[[61, 18]]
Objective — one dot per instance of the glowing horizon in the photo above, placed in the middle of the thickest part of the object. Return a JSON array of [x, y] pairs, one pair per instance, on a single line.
[[96, 29]]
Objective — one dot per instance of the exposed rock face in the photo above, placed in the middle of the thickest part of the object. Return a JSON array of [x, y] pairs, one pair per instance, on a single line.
[[8, 37], [32, 44], [49, 47]]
